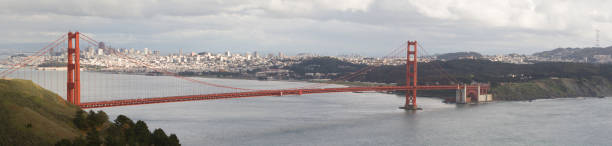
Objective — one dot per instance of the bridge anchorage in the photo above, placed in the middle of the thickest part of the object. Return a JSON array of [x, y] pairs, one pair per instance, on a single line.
[[73, 83]]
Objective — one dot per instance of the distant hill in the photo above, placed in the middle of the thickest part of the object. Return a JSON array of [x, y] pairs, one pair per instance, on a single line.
[[460, 55], [592, 55], [325, 65], [32, 115]]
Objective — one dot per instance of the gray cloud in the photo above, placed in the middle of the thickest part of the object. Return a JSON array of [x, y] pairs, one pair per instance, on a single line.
[[367, 27]]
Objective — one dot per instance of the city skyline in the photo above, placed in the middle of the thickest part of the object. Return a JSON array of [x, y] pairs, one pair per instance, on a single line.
[[364, 27], [4, 54]]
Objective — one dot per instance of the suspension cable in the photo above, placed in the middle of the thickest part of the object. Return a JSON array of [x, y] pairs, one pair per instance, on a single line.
[[31, 58], [439, 67]]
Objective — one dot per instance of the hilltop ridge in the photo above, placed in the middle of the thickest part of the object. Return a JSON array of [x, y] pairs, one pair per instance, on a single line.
[[589, 55]]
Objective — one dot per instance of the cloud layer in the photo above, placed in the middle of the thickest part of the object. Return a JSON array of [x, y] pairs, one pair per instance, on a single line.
[[329, 27]]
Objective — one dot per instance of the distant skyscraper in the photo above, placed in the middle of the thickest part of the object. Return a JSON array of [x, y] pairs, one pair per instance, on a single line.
[[101, 45], [90, 51], [180, 52], [228, 54], [281, 55], [255, 54]]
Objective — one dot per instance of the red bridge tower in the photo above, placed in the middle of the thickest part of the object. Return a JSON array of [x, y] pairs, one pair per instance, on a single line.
[[74, 69], [411, 76]]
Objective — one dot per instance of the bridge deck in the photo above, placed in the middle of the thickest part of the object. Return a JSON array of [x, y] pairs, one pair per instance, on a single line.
[[125, 102]]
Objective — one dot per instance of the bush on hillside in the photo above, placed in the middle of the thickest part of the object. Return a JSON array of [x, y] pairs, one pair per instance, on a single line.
[[123, 131]]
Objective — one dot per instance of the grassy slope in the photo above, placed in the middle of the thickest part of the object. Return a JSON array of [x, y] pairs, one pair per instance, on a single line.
[[554, 88], [22, 103]]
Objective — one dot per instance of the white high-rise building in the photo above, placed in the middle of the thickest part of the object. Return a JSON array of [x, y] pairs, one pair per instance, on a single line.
[[100, 52], [228, 54], [146, 51], [248, 56], [90, 52]]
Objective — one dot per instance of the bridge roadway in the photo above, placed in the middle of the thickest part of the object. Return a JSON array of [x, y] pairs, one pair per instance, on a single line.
[[125, 102]]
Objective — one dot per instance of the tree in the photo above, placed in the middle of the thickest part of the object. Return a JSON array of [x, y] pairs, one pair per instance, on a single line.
[[80, 121], [64, 142], [79, 142], [93, 138], [123, 121], [159, 137], [173, 140], [113, 140], [120, 133], [141, 132], [99, 118], [90, 118]]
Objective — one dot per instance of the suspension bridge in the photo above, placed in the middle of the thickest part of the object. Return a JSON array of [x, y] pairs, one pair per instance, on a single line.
[[203, 90]]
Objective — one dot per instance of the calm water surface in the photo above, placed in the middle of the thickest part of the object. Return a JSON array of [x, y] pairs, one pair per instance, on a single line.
[[353, 118]]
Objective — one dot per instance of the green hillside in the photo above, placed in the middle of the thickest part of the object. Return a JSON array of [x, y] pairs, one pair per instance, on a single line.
[[32, 115], [554, 88]]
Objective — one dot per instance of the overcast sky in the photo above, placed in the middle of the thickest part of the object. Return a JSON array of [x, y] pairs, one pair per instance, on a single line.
[[327, 27]]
